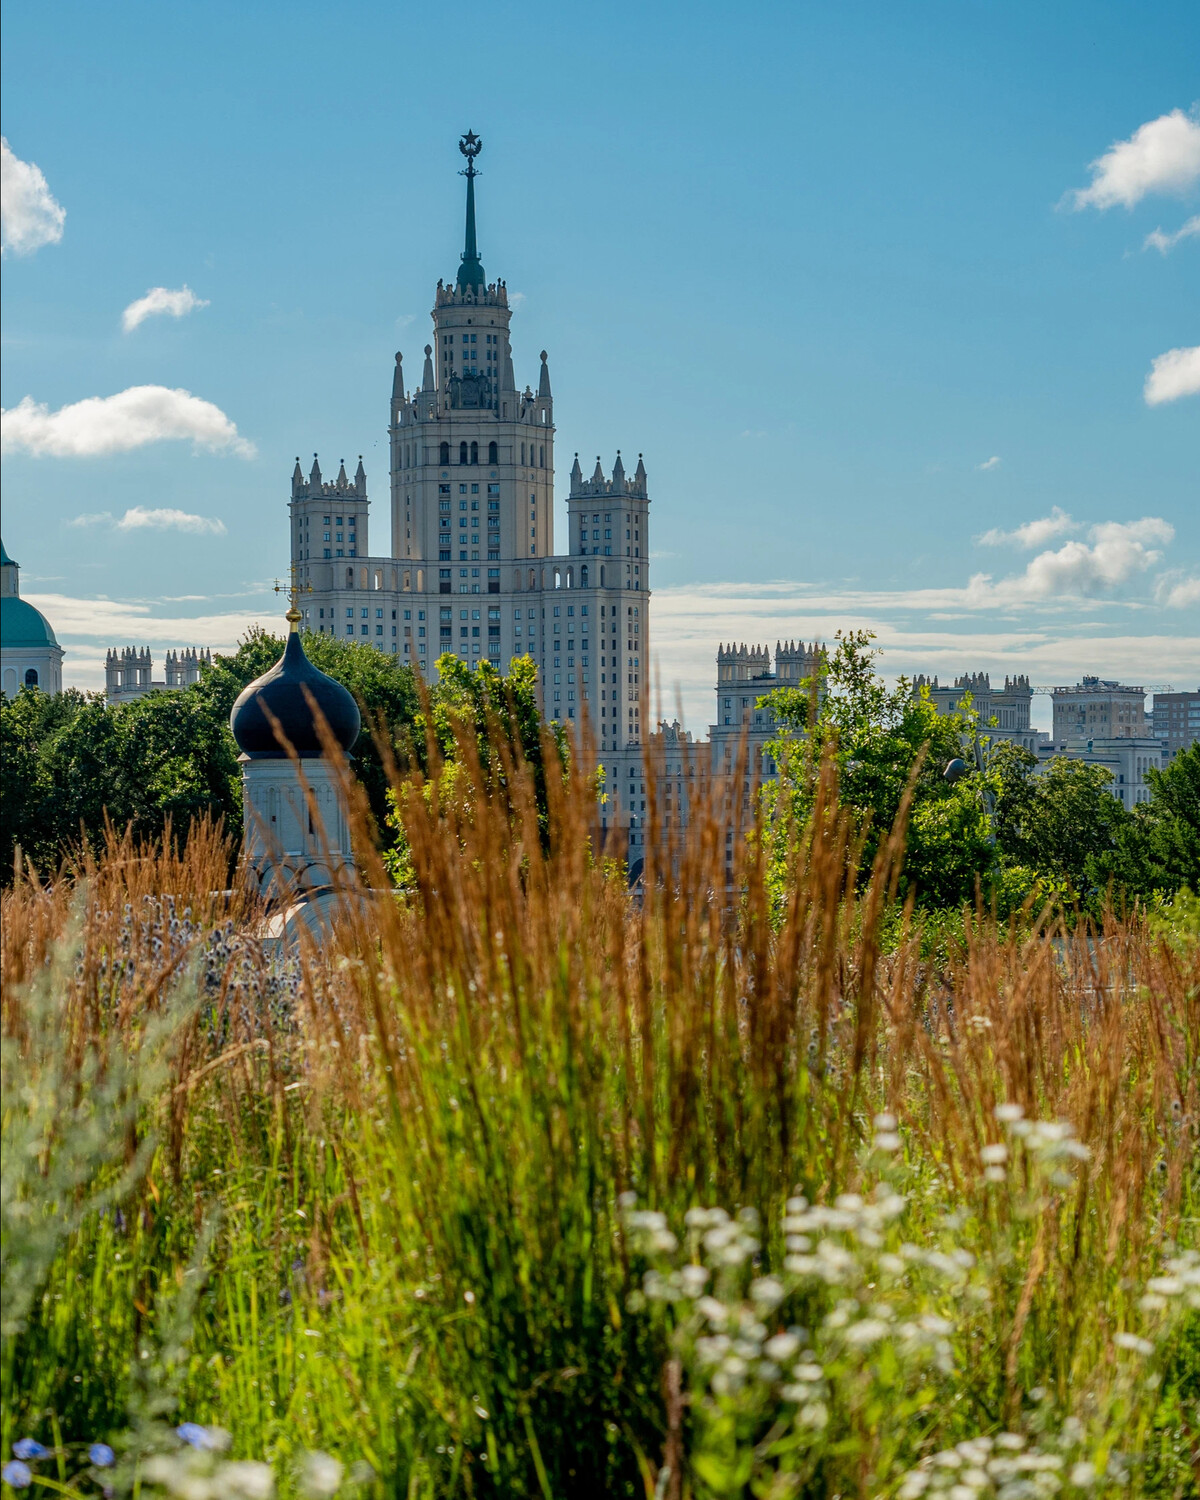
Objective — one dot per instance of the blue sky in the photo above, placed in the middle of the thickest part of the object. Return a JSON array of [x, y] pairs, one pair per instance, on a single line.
[[822, 265]]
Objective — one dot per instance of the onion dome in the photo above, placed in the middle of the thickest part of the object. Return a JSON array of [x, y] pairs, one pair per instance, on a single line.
[[283, 695], [21, 626]]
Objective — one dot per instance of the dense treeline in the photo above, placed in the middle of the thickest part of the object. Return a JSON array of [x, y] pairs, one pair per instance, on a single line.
[[1007, 829], [70, 762]]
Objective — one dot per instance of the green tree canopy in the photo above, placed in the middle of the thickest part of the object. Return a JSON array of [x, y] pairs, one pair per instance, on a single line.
[[71, 760]]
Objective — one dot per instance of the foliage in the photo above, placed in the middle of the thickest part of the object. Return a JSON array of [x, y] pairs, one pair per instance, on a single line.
[[1024, 836], [886, 744], [1157, 850], [474, 727], [386, 1177], [70, 762]]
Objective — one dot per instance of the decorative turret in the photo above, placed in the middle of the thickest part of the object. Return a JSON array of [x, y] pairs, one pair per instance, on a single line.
[[618, 475], [544, 378], [427, 374], [576, 476], [639, 478], [398, 378], [598, 476], [314, 488]]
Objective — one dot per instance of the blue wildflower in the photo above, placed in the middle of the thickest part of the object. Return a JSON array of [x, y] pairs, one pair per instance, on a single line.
[[29, 1448], [19, 1475], [102, 1455], [194, 1435]]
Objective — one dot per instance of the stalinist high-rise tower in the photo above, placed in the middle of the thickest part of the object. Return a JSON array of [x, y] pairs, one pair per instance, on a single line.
[[472, 567]]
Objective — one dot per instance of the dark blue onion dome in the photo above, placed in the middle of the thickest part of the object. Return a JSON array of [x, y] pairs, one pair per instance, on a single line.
[[282, 691]]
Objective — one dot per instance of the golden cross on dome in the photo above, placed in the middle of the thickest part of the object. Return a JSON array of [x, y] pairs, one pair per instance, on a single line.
[[294, 589]]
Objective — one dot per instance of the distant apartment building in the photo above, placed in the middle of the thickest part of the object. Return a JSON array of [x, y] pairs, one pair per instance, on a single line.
[[1127, 757], [744, 675], [1175, 721], [1009, 706], [1096, 709], [129, 672]]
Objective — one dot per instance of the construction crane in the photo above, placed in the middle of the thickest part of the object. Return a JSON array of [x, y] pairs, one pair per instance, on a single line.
[[1048, 689]]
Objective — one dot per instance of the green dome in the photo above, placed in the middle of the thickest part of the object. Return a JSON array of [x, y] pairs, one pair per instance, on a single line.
[[22, 626]]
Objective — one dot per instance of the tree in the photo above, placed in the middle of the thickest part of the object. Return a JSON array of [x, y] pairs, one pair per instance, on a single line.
[[71, 761], [499, 718], [1061, 820], [1157, 850], [881, 738]]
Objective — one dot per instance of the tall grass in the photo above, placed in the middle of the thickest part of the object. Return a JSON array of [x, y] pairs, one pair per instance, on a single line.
[[393, 1170]]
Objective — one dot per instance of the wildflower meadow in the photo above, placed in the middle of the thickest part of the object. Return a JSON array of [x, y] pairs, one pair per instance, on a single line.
[[511, 1181]]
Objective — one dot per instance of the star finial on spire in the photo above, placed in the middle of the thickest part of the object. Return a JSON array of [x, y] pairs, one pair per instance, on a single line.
[[470, 146]]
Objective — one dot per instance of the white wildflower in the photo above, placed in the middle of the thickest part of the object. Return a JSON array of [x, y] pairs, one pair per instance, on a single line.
[[867, 1332], [994, 1155], [322, 1475], [782, 1347], [1132, 1342]]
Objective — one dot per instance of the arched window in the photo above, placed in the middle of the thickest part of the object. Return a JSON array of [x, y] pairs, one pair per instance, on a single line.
[[583, 576], [462, 453], [541, 458], [445, 455], [31, 677], [493, 453], [522, 452], [474, 453]]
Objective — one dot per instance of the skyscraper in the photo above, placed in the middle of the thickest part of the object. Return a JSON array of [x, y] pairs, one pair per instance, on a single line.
[[472, 566]]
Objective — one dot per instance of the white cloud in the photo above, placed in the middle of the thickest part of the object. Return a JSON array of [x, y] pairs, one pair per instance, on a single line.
[[989, 463], [87, 627], [690, 620], [138, 518], [116, 424], [29, 215], [1174, 592], [1119, 551], [1032, 533], [1164, 242], [158, 301], [1162, 156], [1173, 374]]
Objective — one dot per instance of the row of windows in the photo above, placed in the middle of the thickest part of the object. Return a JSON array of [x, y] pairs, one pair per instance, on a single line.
[[468, 453]]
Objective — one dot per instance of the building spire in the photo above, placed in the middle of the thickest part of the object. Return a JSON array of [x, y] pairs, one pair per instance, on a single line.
[[470, 273]]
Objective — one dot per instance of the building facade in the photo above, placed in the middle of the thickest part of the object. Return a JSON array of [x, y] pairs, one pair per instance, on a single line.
[[1175, 721], [30, 655], [1009, 706], [1098, 709], [1127, 757], [470, 565], [129, 672]]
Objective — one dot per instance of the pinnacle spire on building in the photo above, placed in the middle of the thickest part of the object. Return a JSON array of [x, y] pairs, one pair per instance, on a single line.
[[470, 272]]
